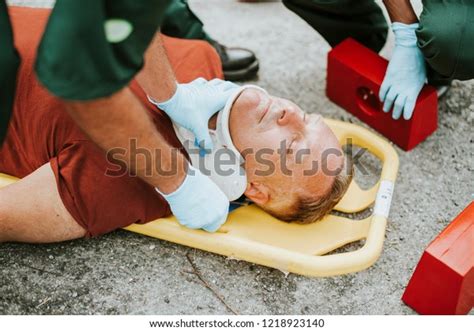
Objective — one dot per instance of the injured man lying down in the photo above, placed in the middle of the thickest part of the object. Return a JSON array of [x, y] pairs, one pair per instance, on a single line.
[[266, 148]]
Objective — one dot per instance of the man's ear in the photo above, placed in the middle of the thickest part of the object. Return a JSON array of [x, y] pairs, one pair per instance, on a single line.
[[258, 192]]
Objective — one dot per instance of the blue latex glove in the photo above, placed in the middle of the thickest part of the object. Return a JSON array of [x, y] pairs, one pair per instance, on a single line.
[[194, 103], [198, 203], [406, 73]]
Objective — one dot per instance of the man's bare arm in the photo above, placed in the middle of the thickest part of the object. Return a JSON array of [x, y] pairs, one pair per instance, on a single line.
[[113, 122], [401, 11]]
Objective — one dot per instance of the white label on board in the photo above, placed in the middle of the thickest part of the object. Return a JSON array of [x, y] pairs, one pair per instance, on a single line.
[[384, 198]]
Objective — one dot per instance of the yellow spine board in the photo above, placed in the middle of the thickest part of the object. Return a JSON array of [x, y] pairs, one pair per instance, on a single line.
[[252, 235]]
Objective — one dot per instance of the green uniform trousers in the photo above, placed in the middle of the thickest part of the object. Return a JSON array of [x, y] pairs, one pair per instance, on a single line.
[[90, 48], [181, 22], [445, 35]]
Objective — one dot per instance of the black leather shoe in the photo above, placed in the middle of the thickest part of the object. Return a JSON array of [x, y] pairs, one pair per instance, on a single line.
[[237, 63], [242, 74]]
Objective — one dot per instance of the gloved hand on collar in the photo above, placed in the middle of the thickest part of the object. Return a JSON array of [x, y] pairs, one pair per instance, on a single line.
[[193, 104]]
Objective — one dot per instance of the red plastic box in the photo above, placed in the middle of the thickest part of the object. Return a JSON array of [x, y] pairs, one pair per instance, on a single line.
[[443, 281], [354, 76]]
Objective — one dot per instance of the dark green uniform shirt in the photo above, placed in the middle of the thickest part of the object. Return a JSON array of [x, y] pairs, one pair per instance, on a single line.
[[90, 48]]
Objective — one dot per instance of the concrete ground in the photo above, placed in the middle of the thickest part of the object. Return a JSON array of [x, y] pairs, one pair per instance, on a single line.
[[126, 273]]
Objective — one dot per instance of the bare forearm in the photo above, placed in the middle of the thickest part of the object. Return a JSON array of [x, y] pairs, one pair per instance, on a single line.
[[120, 122], [157, 78], [400, 11]]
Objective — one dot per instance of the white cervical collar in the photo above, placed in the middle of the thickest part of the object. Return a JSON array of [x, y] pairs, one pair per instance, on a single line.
[[231, 179]]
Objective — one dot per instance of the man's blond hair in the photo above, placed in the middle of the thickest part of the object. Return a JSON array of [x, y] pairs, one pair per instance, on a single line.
[[307, 210]]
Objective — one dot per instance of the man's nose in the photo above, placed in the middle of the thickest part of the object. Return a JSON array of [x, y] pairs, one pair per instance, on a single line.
[[290, 116]]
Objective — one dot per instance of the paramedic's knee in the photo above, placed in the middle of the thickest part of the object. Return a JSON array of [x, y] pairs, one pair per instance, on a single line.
[[367, 24], [444, 42]]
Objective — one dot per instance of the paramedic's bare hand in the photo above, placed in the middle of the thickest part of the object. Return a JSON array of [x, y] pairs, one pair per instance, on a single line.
[[406, 73], [198, 203], [194, 103]]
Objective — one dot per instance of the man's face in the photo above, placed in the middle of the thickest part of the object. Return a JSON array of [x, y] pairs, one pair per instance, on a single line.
[[286, 151]]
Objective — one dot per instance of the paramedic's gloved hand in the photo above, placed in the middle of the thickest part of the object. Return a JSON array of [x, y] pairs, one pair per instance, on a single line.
[[406, 73], [198, 203], [194, 103]]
